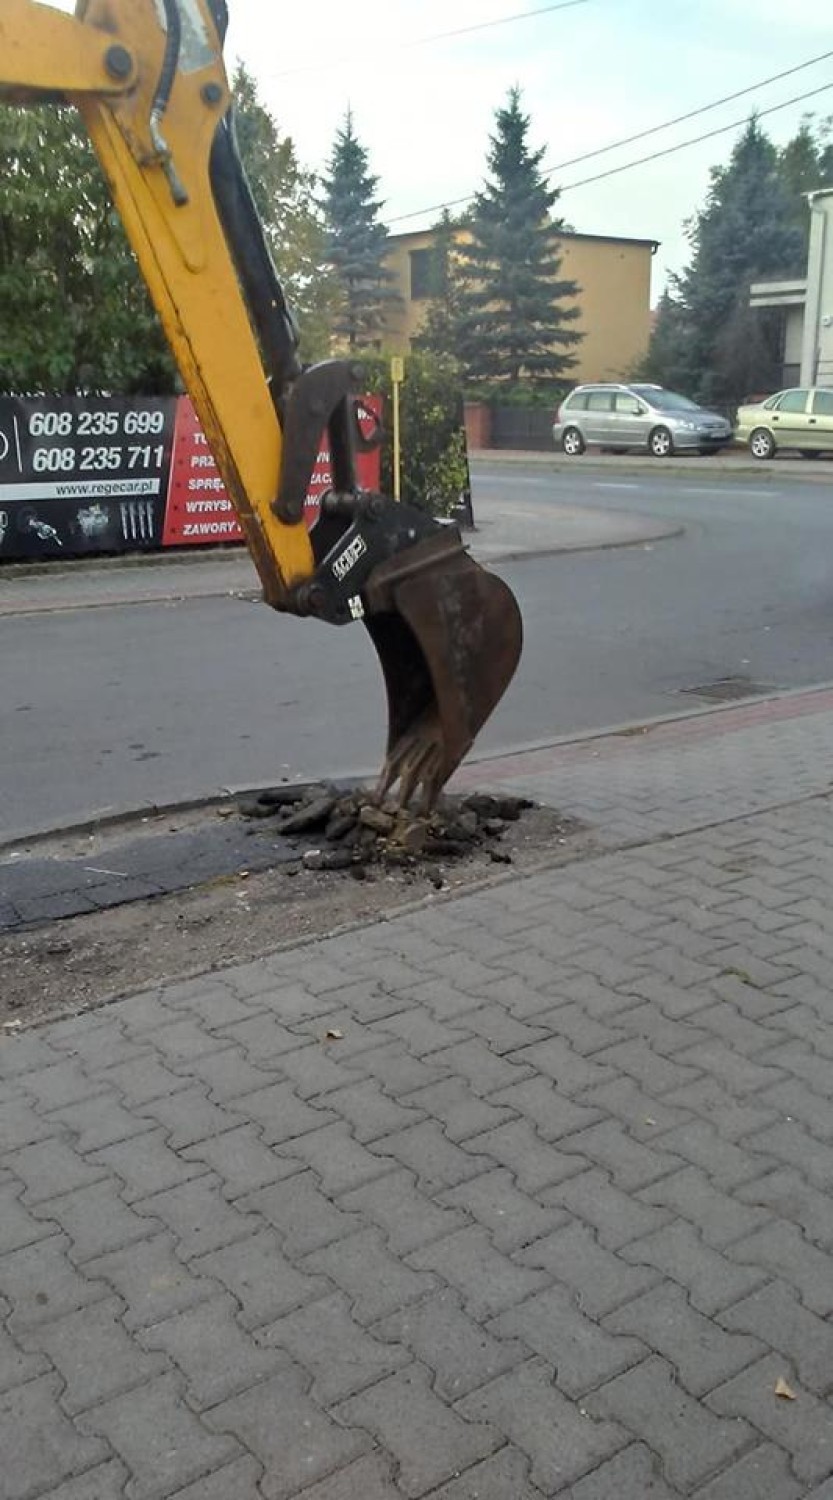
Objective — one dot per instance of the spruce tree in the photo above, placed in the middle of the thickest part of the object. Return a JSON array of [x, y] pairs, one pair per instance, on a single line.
[[516, 321], [745, 233], [707, 342], [805, 164], [356, 240]]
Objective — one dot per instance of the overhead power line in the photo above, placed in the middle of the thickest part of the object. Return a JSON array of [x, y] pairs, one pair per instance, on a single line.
[[640, 135], [439, 36], [695, 140], [521, 15]]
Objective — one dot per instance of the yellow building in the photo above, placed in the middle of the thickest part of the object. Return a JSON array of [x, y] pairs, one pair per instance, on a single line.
[[614, 279]]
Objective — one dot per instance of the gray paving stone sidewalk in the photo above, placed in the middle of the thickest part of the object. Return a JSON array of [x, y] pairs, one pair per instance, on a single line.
[[523, 1195]]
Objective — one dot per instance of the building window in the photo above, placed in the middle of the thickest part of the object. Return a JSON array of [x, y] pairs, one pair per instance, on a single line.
[[421, 267]]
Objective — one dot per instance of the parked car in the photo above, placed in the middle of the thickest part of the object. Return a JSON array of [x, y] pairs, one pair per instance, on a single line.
[[636, 416], [800, 418]]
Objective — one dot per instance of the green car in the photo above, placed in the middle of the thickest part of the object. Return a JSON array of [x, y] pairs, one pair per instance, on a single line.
[[801, 419]]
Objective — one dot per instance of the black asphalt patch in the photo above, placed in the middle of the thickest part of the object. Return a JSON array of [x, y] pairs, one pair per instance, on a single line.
[[36, 888]]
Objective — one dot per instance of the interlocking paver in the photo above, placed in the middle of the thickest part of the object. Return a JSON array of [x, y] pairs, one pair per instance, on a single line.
[[461, 1112], [198, 1216], [534, 1163], [802, 1427], [279, 1114], [94, 1354], [631, 1475], [512, 1218], [778, 1321], [259, 1276], [39, 1445], [288, 1434], [325, 1339], [702, 1354], [600, 1279], [543, 1105], [302, 1214], [368, 1478], [20, 1125], [151, 1280], [782, 1249], [97, 1122], [503, 1475], [550, 1219], [560, 1439], [339, 1162], [732, 1116], [454, 1347], [16, 1366], [162, 1442], [429, 1441], [369, 1112], [785, 1194], [236, 1481], [717, 1216], [96, 1218], [711, 1280], [364, 1269], [727, 1164], [187, 1117], [242, 1161], [18, 1226], [631, 1163], [210, 1349], [104, 1482], [62, 1084], [426, 1150], [763, 1474], [407, 1216], [645, 1117], [691, 1441], [616, 1216], [580, 1352], [227, 1075], [142, 1079], [50, 1167], [143, 1165], [790, 1143]]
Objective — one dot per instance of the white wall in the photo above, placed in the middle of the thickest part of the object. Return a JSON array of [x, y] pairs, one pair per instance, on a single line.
[[817, 346]]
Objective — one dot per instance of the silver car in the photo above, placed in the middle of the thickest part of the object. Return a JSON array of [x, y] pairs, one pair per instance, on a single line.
[[640, 416]]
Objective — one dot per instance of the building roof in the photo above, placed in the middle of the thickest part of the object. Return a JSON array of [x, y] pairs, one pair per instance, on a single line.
[[565, 234]]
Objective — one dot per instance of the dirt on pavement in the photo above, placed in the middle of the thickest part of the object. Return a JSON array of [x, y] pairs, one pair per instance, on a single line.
[[74, 965]]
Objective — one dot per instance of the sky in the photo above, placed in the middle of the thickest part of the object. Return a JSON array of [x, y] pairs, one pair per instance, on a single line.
[[590, 74]]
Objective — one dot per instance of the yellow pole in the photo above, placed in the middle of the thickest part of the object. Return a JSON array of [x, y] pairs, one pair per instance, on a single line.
[[397, 375]]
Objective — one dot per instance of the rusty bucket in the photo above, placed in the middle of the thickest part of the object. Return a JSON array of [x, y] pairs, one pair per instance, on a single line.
[[449, 637]]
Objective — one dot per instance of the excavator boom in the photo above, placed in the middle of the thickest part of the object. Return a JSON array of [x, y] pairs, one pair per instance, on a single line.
[[148, 79]]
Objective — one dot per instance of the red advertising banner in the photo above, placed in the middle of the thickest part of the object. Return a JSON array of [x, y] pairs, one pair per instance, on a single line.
[[199, 511]]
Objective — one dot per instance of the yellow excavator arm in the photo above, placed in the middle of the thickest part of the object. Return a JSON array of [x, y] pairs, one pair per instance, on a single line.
[[148, 79]]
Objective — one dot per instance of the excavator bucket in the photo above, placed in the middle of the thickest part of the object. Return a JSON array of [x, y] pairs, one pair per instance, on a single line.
[[449, 638]]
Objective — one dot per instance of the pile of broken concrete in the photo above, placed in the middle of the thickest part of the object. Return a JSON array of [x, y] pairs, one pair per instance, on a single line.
[[338, 830]]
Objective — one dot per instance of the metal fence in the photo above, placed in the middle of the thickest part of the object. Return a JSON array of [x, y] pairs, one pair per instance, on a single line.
[[522, 427]]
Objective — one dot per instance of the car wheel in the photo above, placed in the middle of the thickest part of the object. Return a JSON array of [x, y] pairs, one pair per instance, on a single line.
[[572, 442], [761, 443], [661, 443], [810, 453]]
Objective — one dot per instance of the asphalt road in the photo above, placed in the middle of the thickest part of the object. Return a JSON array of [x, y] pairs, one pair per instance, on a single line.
[[112, 707]]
